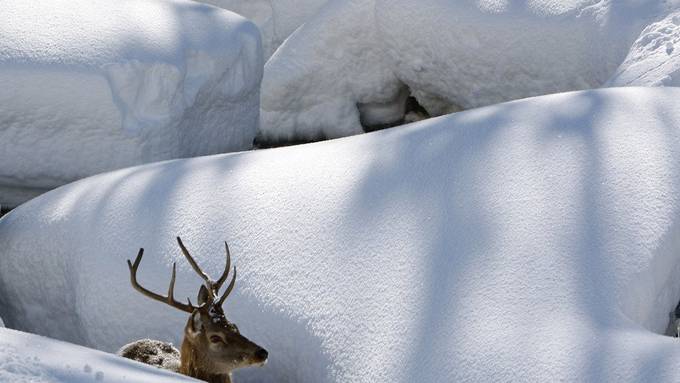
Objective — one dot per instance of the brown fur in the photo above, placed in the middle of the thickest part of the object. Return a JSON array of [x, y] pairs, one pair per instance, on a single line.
[[193, 365], [212, 346]]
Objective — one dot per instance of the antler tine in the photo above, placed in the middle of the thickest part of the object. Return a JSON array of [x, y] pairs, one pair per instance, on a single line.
[[229, 288], [195, 266], [225, 274], [170, 300]]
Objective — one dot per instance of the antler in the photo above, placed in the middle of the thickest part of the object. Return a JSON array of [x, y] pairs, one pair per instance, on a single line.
[[170, 299], [213, 286]]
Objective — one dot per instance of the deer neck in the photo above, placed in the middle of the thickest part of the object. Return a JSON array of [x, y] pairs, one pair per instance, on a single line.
[[193, 365]]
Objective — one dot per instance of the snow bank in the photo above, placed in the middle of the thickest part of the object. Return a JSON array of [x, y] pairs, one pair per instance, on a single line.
[[535, 240], [277, 19], [27, 358], [449, 55], [653, 59], [119, 83]]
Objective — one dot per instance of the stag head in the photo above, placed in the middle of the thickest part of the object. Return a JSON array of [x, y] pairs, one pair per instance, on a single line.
[[212, 345]]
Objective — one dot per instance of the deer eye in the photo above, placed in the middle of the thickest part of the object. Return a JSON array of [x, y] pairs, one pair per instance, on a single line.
[[215, 339]]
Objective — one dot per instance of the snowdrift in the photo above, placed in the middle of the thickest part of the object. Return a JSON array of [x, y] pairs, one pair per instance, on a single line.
[[277, 19], [351, 66], [27, 358], [88, 86], [534, 240], [653, 59]]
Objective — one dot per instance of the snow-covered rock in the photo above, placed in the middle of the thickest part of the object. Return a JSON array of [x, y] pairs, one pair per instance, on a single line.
[[27, 358], [93, 85], [531, 241], [654, 59], [277, 19], [362, 55]]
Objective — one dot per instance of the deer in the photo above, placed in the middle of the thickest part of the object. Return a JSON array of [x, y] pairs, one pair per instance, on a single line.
[[212, 346]]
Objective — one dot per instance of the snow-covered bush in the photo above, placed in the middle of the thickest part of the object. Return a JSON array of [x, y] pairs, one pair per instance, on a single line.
[[152, 352], [352, 62], [277, 19], [532, 241], [93, 85]]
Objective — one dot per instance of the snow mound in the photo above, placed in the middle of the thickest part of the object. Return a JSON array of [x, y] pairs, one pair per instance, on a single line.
[[27, 358], [534, 240], [654, 59], [277, 19], [130, 82], [354, 57]]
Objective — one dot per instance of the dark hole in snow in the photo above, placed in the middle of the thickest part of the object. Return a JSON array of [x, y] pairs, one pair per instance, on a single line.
[[673, 328], [404, 109], [4, 210], [259, 143]]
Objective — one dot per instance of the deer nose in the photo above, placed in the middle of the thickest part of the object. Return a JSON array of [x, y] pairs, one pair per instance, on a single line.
[[261, 355]]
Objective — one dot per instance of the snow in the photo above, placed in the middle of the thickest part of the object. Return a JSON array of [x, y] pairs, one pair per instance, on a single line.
[[89, 86], [653, 59], [277, 19], [449, 55], [27, 358], [534, 240]]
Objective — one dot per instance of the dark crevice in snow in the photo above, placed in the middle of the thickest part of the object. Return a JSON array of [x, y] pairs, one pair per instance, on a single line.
[[4, 210], [404, 109], [260, 143], [674, 322]]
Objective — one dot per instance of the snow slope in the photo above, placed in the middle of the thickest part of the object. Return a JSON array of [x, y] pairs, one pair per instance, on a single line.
[[93, 85], [534, 240], [27, 358], [653, 59], [450, 55], [277, 19]]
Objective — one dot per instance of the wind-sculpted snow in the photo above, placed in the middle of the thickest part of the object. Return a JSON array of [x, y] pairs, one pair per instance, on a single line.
[[532, 241], [354, 57], [277, 19], [89, 86], [654, 59]]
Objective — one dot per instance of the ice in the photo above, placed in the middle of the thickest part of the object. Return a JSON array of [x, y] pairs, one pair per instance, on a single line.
[[530, 241]]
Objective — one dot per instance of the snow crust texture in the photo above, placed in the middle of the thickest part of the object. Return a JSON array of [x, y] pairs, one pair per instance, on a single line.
[[347, 67], [27, 358], [654, 59], [534, 240], [120, 83], [277, 19]]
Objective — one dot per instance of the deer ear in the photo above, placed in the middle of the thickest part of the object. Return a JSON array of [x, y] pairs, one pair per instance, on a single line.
[[203, 295], [195, 325]]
